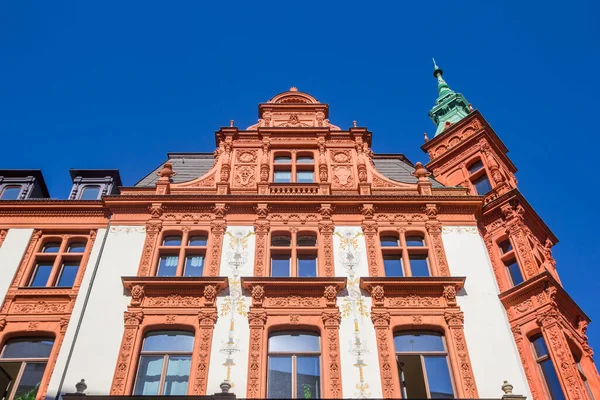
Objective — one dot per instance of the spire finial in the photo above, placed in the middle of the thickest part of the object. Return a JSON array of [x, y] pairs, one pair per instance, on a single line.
[[436, 70]]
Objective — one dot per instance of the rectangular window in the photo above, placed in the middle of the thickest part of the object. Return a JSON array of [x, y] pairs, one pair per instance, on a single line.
[[67, 274], [505, 246], [280, 265], [280, 377], [282, 176], [308, 377], [514, 271], [178, 375], [482, 185], [392, 263], [419, 266], [305, 177], [194, 266], [41, 275], [307, 265], [149, 373], [167, 266]]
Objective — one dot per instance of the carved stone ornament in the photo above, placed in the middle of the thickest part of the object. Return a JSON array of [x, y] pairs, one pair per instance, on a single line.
[[207, 317], [380, 318], [257, 318], [2, 324], [378, 294], [454, 319], [133, 318], [450, 295], [331, 318], [137, 293], [258, 295], [330, 294], [210, 293]]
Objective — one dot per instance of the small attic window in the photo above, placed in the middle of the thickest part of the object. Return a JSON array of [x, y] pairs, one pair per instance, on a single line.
[[90, 193], [11, 193]]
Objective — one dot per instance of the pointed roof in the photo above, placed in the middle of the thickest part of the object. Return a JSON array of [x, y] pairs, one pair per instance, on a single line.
[[450, 106]]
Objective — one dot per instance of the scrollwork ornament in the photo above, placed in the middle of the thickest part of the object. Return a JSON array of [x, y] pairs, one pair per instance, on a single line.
[[258, 295], [378, 294], [381, 318], [331, 318], [330, 294], [257, 318], [450, 295], [137, 294], [454, 319], [133, 318], [210, 293], [207, 317]]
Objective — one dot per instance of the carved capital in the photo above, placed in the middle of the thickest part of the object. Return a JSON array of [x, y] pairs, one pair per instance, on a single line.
[[257, 318], [326, 227], [261, 227], [369, 227], [207, 317], [262, 210], [381, 319], [153, 227], [431, 210], [220, 210], [133, 318], [368, 211], [218, 227], [434, 228], [331, 318], [547, 318], [326, 211], [454, 319]]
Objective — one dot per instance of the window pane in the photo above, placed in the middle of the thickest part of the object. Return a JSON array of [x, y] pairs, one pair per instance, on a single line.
[[282, 176], [293, 342], [169, 341], [41, 275], [482, 184], [167, 266], [53, 247], [172, 241], [552, 381], [281, 241], [304, 159], [514, 271], [279, 381], [419, 265], [505, 246], [305, 177], [308, 377], [539, 345], [90, 193], [389, 241], [11, 193], [306, 240], [282, 159], [392, 264], [307, 266], [30, 381], [438, 377], [28, 348], [194, 265], [78, 247], [178, 374], [412, 376], [149, 372], [280, 265], [415, 240], [198, 241], [476, 166], [418, 342], [68, 274]]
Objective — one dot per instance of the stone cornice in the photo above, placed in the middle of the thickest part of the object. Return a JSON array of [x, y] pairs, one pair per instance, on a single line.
[[405, 285], [183, 285]]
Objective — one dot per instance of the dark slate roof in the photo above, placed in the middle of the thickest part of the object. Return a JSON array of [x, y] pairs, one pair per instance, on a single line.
[[187, 165], [193, 165], [398, 168]]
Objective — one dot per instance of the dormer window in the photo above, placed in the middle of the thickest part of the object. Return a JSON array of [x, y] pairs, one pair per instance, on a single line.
[[479, 178], [11, 193], [90, 192], [293, 167], [92, 184]]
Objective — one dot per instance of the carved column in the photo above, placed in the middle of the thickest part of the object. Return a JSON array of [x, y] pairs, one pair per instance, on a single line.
[[256, 364], [489, 244], [261, 229], [526, 359], [217, 229], [326, 229], [35, 237], [121, 382], [369, 228], [465, 382], [331, 359], [516, 232], [390, 384], [561, 355], [434, 228], [153, 229], [206, 319]]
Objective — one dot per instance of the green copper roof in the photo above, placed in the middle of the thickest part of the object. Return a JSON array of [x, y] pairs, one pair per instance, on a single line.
[[450, 106]]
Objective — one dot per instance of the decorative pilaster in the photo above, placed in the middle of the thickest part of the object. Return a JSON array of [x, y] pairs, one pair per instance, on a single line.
[[326, 228], [217, 230], [153, 228], [515, 230], [434, 228], [525, 354], [385, 340], [133, 319], [466, 383], [332, 376], [206, 319], [261, 229], [369, 227], [33, 243], [560, 354], [257, 319]]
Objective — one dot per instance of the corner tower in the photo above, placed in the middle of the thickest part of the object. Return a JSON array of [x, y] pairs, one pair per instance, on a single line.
[[466, 151]]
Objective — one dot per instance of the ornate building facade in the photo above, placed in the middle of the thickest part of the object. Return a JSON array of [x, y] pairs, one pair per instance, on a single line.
[[292, 262]]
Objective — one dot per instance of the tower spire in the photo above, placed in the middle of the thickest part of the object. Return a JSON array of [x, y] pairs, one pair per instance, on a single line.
[[450, 106]]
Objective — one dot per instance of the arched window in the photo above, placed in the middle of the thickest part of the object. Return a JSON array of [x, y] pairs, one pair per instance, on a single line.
[[22, 365], [546, 366], [405, 254], [294, 369], [182, 254], [164, 366], [298, 168], [508, 257], [478, 177], [294, 254], [10, 193], [423, 365], [89, 192], [57, 262]]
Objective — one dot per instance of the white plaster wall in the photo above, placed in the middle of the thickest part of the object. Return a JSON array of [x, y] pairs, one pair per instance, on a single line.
[[348, 304], [236, 239], [99, 339], [493, 353], [11, 253]]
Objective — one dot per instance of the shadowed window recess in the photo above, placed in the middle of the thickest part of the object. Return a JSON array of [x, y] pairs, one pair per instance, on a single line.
[[57, 262], [294, 254], [293, 167], [405, 254], [182, 254]]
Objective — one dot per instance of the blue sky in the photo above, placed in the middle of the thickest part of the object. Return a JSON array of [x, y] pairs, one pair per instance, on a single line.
[[119, 84]]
